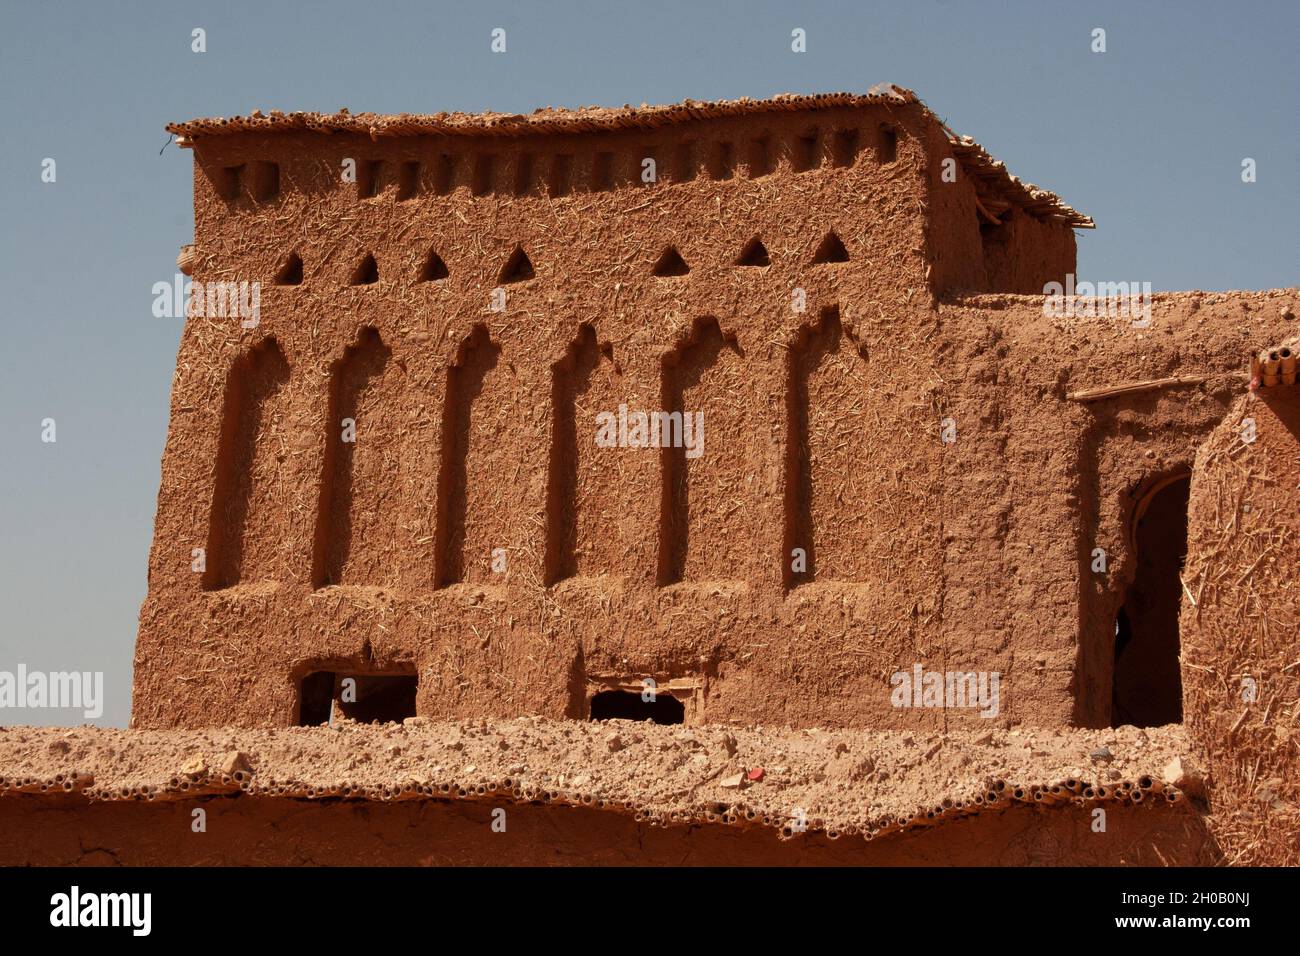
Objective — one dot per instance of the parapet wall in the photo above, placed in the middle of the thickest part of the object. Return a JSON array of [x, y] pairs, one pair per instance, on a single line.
[[426, 793]]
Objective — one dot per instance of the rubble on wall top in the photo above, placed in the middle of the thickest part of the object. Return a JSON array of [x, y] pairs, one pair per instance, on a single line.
[[868, 783], [555, 120]]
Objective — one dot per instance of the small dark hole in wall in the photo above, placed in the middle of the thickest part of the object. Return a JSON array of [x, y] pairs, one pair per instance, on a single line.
[[518, 268], [993, 232], [754, 254], [671, 263], [290, 272], [366, 272], [433, 269], [831, 250], [887, 146], [628, 705], [408, 180], [368, 171]]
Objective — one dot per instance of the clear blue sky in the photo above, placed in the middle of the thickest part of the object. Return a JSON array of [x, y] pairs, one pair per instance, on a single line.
[[1148, 138]]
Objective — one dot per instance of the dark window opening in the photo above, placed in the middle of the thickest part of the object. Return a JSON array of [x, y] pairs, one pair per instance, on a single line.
[[315, 696], [444, 174], [684, 162], [806, 153], [831, 250], [722, 164], [845, 147], [993, 232], [291, 272], [887, 146], [226, 181], [366, 272], [518, 268], [1147, 686], [561, 173], [628, 705], [523, 174], [264, 181], [368, 178], [433, 269], [754, 254], [365, 698], [760, 163], [408, 180], [671, 263], [484, 167]]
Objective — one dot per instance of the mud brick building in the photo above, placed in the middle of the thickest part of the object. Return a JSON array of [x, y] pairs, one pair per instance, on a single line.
[[384, 507], [850, 293]]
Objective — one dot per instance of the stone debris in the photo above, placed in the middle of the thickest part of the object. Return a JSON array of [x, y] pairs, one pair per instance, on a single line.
[[234, 762]]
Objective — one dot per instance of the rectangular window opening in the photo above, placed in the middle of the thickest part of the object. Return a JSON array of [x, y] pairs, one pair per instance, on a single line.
[[887, 148], [602, 171], [264, 181], [722, 164], [561, 171], [408, 180], [365, 698], [368, 171], [484, 167], [806, 154], [227, 181], [444, 175], [684, 162], [759, 161], [845, 150]]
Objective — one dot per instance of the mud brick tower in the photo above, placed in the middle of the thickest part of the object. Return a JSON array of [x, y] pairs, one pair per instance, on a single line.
[[384, 497]]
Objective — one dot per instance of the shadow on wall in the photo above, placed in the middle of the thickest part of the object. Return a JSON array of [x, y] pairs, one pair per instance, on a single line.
[[1147, 690]]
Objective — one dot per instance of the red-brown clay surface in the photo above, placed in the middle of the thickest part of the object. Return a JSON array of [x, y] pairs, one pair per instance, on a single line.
[[1240, 623], [1005, 796]]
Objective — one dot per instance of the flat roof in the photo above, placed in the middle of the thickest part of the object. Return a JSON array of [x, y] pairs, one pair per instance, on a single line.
[[977, 163]]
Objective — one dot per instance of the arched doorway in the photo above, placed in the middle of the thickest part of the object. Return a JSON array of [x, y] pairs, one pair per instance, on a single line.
[[1147, 686]]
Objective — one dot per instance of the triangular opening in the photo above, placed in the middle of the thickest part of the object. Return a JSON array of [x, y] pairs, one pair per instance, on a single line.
[[754, 254], [433, 269], [291, 272], [671, 263], [518, 269], [831, 250], [367, 272]]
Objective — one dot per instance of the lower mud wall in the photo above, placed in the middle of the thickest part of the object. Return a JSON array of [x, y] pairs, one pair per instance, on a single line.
[[58, 831]]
